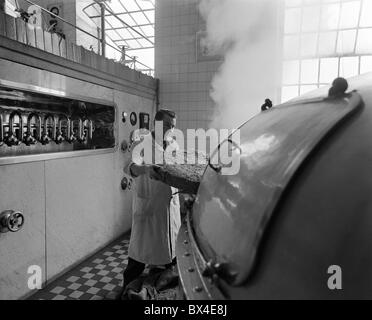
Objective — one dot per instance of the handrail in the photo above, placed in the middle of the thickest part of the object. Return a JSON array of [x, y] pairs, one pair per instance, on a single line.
[[82, 30]]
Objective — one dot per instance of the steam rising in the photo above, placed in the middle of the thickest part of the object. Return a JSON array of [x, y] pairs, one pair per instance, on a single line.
[[244, 33]]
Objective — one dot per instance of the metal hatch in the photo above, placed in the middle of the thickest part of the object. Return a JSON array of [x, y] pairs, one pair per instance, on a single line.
[[231, 212]]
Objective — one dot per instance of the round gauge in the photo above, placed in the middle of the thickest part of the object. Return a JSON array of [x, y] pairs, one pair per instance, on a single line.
[[133, 118]]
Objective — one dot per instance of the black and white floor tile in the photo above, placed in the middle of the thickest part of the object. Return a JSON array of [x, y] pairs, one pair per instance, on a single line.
[[92, 279]]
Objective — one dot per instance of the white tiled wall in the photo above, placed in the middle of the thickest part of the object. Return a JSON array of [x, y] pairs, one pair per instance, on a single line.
[[184, 82]]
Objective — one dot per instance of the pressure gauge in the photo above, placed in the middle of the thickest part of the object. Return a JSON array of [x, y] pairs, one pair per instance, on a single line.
[[133, 118]]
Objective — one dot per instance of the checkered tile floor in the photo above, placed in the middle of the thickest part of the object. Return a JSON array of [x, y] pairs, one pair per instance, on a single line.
[[92, 279]]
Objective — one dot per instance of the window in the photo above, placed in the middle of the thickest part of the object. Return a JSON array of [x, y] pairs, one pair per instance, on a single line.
[[130, 28], [324, 39]]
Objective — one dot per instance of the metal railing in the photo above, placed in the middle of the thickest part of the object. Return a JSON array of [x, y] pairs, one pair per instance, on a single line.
[[135, 34], [130, 62]]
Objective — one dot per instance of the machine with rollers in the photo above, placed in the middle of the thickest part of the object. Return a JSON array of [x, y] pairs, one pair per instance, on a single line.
[[35, 124]]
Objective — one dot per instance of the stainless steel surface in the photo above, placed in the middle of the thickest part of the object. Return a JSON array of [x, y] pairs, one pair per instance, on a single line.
[[11, 220]]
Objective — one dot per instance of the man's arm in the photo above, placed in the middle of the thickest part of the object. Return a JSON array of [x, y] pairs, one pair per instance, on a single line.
[[138, 170]]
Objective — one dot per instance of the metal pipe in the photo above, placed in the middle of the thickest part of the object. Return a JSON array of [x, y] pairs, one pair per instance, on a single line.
[[45, 138], [119, 13], [60, 132], [12, 139], [90, 129], [157, 94], [80, 137], [103, 31], [72, 137], [87, 130], [30, 139], [38, 118], [54, 128], [1, 130]]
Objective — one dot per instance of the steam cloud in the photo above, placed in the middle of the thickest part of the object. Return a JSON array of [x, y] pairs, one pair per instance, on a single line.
[[244, 32]]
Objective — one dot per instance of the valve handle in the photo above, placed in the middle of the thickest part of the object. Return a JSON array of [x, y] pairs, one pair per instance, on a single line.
[[11, 220], [124, 183], [29, 140]]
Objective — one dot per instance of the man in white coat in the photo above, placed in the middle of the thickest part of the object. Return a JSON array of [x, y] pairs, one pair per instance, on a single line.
[[156, 214]]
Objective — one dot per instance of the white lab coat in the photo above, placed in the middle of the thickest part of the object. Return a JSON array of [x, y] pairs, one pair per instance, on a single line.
[[155, 220]]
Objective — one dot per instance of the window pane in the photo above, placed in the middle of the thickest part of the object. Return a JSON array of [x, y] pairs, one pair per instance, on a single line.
[[309, 44], [291, 71], [364, 43], [114, 35], [289, 93], [311, 2], [328, 70], [291, 47], [309, 71], [307, 88], [349, 14], [292, 3], [330, 16], [310, 19], [325, 29], [346, 41], [292, 20], [327, 43], [113, 22], [349, 66], [366, 64], [365, 19]]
